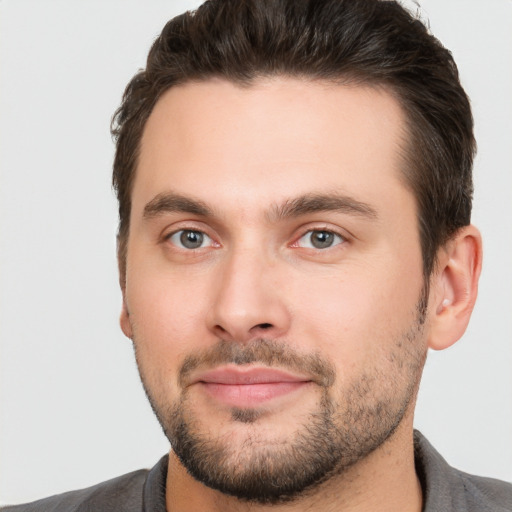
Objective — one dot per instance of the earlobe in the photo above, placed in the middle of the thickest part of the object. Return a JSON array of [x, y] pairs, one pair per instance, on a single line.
[[124, 321], [454, 287]]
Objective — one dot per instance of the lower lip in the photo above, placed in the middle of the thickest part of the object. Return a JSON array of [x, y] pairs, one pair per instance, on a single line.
[[248, 395]]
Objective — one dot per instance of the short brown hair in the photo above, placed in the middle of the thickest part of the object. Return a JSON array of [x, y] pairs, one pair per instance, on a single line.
[[374, 42]]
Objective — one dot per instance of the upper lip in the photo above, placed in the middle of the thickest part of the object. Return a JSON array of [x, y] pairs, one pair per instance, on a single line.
[[244, 375]]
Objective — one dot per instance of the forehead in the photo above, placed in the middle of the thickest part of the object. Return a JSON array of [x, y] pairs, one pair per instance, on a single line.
[[275, 138]]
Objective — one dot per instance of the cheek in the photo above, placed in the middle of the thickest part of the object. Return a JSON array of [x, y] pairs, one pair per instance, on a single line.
[[166, 314], [354, 315]]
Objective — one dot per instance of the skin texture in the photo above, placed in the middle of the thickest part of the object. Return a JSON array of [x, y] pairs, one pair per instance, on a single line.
[[257, 171]]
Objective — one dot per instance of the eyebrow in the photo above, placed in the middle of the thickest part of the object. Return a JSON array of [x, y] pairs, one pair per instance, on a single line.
[[170, 202], [311, 203], [290, 208]]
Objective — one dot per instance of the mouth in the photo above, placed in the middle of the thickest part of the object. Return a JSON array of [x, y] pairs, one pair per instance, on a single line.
[[245, 387]]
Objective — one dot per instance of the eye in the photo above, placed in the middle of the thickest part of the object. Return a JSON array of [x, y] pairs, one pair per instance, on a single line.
[[190, 239], [319, 239]]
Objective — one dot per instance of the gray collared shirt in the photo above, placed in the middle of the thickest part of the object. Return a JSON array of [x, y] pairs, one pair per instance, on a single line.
[[445, 489]]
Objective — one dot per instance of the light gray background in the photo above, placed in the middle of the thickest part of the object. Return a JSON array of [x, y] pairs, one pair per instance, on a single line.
[[72, 410]]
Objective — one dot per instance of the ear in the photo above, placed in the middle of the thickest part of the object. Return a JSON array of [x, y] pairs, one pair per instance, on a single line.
[[454, 287], [124, 320]]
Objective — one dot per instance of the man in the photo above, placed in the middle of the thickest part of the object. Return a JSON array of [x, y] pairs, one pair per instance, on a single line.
[[294, 184]]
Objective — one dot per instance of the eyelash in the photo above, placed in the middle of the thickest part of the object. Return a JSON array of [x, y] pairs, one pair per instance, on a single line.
[[335, 239], [184, 231]]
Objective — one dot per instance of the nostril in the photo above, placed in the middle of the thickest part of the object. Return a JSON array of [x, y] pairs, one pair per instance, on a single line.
[[264, 326]]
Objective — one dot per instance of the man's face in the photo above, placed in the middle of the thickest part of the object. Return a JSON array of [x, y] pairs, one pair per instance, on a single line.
[[274, 280]]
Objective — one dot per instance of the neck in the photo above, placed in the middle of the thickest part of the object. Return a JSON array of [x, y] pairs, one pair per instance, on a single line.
[[385, 481]]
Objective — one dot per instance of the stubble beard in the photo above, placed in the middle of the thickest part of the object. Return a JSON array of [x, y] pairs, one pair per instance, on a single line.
[[331, 439]]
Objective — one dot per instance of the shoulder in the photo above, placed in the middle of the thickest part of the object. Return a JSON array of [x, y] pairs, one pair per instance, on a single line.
[[447, 489], [121, 493], [485, 494]]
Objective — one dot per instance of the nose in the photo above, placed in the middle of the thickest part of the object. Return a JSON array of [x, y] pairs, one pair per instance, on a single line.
[[248, 299]]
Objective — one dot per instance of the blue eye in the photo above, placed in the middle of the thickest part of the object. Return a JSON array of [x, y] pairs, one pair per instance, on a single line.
[[319, 239], [190, 239]]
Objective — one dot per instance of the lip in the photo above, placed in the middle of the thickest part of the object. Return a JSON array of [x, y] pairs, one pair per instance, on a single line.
[[248, 387]]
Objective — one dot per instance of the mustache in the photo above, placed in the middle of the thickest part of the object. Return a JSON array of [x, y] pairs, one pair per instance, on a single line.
[[265, 351]]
